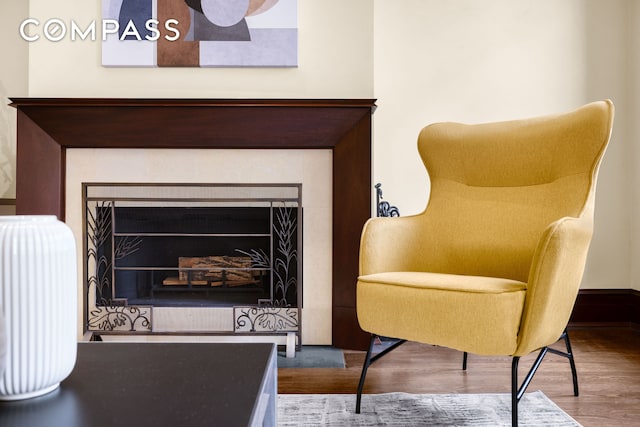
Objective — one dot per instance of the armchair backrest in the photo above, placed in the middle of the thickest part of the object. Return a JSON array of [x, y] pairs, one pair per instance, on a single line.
[[496, 187]]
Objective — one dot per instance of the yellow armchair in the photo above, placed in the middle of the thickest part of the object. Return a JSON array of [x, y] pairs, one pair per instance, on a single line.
[[493, 265]]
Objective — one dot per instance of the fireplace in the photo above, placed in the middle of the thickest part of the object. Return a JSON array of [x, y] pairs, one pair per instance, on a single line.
[[215, 246], [47, 128]]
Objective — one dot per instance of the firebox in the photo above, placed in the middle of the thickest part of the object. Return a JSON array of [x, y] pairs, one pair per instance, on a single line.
[[205, 258]]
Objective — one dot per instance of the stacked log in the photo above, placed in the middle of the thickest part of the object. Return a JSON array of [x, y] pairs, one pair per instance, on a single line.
[[222, 270]]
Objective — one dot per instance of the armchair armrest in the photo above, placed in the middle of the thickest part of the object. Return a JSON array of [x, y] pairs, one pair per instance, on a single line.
[[389, 244], [554, 279]]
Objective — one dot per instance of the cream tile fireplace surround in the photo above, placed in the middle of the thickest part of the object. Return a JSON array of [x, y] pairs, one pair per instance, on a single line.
[[311, 168], [324, 145]]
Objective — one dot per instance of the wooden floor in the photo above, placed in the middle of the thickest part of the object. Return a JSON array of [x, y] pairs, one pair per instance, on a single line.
[[607, 359]]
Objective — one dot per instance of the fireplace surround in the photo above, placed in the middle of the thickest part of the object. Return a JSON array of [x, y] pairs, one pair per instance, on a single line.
[[48, 127]]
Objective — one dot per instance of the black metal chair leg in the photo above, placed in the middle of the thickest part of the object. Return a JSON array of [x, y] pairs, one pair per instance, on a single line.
[[574, 373], [568, 355], [365, 366], [518, 391], [514, 392], [369, 359]]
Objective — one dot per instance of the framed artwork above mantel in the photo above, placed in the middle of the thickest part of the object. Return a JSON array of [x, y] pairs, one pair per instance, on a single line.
[[199, 33]]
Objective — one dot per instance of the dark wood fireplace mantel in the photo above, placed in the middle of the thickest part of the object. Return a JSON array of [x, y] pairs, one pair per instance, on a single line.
[[48, 127]]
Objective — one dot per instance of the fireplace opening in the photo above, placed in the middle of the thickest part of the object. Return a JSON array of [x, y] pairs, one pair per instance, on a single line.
[[152, 246], [193, 256]]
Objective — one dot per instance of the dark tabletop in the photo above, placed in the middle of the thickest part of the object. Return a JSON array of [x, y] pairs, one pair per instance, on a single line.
[[151, 384]]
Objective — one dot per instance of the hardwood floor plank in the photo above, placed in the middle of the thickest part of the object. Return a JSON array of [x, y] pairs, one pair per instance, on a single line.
[[607, 361]]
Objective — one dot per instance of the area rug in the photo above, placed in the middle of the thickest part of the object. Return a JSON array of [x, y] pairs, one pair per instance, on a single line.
[[313, 356], [402, 409]]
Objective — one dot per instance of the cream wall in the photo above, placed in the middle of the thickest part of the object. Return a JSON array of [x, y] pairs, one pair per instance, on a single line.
[[634, 137], [471, 61], [13, 82], [335, 61], [425, 61]]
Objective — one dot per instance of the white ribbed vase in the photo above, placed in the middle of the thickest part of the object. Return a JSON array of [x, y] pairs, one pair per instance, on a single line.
[[38, 296], [3, 344]]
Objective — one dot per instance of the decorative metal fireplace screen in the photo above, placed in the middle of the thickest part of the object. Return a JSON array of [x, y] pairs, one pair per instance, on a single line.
[[229, 253]]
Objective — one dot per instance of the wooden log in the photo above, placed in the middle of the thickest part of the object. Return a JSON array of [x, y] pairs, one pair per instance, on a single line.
[[175, 281], [214, 269]]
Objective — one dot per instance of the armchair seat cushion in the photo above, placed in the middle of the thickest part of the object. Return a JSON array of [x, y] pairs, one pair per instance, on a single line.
[[476, 314]]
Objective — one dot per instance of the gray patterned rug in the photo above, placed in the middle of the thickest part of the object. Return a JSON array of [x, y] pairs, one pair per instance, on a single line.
[[402, 409]]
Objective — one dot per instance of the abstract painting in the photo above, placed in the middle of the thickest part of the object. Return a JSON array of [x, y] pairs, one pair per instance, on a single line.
[[199, 33], [7, 147]]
